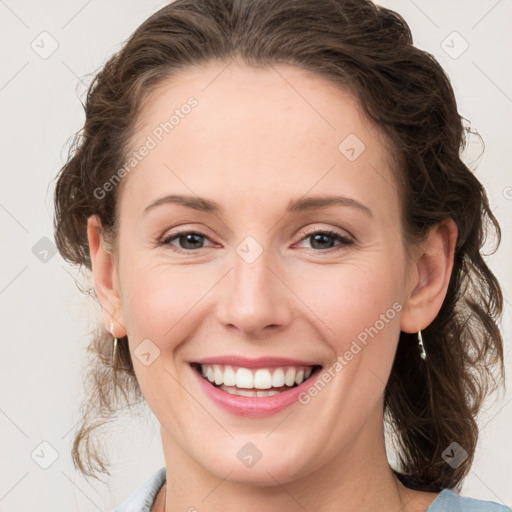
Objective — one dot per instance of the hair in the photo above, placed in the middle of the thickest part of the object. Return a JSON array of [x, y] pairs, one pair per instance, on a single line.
[[364, 49]]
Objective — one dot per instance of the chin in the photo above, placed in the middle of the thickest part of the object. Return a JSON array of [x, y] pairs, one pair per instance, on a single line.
[[269, 470]]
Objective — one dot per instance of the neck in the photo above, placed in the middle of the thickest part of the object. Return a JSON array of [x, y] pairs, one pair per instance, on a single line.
[[358, 477]]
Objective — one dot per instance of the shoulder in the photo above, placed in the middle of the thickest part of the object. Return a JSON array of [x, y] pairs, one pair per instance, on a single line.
[[450, 501], [143, 498]]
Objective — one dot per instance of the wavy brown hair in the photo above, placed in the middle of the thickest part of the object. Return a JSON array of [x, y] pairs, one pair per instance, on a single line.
[[368, 51]]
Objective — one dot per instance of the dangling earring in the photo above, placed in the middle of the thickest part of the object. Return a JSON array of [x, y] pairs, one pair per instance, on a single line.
[[114, 350], [423, 354]]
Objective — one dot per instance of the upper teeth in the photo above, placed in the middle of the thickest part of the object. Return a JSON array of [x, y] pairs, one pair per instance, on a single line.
[[262, 378]]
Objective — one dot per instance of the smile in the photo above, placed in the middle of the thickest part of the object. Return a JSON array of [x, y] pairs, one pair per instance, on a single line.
[[254, 387], [255, 382]]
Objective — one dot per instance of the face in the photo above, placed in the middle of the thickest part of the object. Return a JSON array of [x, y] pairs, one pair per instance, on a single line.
[[257, 273]]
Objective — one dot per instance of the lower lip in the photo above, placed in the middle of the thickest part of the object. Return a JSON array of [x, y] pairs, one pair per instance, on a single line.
[[254, 406]]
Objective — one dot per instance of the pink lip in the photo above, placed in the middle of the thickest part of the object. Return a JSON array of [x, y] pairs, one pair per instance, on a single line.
[[260, 362], [254, 406]]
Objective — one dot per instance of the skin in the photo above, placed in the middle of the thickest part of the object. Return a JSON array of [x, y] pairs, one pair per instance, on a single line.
[[258, 139]]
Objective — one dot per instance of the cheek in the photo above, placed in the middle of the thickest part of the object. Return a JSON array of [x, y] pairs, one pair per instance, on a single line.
[[156, 300], [160, 304], [357, 303], [161, 299]]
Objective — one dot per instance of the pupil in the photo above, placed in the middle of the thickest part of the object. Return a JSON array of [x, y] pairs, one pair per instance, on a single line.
[[321, 236], [191, 238]]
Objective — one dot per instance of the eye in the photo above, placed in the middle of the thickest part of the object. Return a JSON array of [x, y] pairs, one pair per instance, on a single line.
[[324, 239], [188, 240]]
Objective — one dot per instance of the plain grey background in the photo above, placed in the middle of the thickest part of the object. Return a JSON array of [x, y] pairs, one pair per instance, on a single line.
[[45, 320]]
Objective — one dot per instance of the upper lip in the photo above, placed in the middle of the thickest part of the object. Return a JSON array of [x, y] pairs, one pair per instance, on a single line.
[[259, 362]]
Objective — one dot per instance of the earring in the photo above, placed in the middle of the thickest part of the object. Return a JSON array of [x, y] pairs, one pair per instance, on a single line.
[[423, 354], [114, 350]]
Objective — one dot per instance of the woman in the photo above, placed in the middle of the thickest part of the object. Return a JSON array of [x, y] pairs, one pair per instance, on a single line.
[[285, 245]]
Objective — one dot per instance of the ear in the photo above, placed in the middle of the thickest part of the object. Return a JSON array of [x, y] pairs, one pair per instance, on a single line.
[[105, 278], [429, 277]]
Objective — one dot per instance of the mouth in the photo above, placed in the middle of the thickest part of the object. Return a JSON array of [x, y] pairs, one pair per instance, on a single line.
[[255, 382]]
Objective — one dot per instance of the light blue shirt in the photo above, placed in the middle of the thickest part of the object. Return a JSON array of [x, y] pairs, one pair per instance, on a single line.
[[447, 500]]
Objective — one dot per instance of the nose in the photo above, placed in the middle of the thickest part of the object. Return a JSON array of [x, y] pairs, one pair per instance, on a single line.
[[256, 299]]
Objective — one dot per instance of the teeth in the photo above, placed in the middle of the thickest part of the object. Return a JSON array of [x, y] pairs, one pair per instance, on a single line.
[[248, 392], [229, 376], [289, 379], [218, 374], [270, 392], [278, 378], [262, 379], [245, 379]]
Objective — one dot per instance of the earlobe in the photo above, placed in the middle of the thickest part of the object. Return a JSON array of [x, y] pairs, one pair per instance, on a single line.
[[103, 269], [432, 271]]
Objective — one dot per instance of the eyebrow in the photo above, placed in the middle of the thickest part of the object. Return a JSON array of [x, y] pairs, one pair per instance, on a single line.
[[296, 205]]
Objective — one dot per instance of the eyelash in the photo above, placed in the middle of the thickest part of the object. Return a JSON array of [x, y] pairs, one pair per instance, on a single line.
[[344, 241]]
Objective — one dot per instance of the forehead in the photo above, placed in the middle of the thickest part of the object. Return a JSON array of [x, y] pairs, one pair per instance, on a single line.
[[278, 130]]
